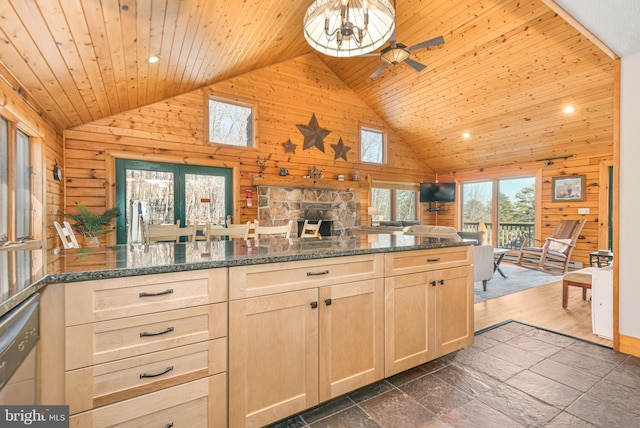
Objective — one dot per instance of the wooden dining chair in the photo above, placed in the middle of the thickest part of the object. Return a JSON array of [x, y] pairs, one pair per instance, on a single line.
[[66, 234], [232, 231], [310, 230], [167, 232], [273, 231]]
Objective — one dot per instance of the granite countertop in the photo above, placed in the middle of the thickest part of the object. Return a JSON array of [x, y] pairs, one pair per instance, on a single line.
[[137, 259]]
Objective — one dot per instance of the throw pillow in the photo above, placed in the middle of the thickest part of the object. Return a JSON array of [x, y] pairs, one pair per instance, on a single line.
[[559, 245]]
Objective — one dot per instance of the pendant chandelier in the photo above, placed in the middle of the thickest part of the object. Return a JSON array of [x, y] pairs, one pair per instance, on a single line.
[[346, 28]]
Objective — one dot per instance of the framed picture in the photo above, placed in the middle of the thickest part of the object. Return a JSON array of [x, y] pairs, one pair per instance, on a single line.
[[568, 188]]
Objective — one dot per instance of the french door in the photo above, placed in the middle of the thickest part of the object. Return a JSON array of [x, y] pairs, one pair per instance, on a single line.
[[509, 204], [164, 193]]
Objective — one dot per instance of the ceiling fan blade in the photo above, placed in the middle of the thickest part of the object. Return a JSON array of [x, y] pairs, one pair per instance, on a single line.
[[367, 54], [415, 64], [433, 42], [378, 71]]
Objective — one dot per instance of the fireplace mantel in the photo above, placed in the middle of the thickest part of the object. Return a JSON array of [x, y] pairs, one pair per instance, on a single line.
[[310, 183]]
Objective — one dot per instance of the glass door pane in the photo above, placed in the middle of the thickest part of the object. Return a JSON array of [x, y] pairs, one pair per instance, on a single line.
[[205, 198], [477, 207], [150, 197], [516, 211]]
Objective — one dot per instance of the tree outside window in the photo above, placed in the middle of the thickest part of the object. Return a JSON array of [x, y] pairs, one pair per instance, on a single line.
[[371, 145], [394, 204], [230, 123]]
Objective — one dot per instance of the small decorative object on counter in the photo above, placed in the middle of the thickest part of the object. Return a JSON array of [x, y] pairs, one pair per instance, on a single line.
[[340, 177], [356, 175]]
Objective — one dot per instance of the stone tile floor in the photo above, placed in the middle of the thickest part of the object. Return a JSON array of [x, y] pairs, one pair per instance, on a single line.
[[514, 375]]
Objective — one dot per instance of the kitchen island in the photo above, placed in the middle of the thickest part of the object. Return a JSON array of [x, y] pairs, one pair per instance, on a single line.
[[245, 333]]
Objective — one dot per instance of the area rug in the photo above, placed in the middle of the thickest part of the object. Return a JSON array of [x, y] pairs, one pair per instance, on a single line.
[[517, 279]]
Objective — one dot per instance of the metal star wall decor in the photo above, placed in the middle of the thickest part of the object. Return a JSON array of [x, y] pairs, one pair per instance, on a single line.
[[340, 149], [289, 147], [313, 134]]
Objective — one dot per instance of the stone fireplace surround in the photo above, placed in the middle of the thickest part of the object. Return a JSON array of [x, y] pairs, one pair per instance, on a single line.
[[278, 205]]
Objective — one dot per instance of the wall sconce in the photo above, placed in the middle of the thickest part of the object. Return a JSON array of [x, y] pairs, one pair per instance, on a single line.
[[57, 172], [372, 211]]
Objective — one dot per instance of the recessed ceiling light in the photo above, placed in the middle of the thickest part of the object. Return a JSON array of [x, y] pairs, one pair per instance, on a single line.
[[153, 59], [569, 109], [466, 135]]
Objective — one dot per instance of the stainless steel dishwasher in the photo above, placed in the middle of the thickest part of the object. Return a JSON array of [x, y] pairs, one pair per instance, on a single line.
[[19, 335]]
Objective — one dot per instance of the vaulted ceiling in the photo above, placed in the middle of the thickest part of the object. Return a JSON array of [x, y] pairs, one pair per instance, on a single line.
[[504, 73]]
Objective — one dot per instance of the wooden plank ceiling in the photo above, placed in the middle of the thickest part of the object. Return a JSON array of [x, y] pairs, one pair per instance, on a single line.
[[504, 73]]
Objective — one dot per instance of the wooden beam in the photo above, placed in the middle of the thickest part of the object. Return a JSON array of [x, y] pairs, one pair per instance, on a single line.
[[581, 28]]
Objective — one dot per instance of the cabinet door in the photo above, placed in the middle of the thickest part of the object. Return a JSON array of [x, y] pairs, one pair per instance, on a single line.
[[454, 309], [273, 357], [351, 336], [409, 321]]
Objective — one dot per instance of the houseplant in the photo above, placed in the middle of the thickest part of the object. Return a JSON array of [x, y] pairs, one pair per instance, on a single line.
[[90, 225]]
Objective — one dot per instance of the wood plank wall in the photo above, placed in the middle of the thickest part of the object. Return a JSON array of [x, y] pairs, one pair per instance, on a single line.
[[285, 94], [32, 120], [595, 170]]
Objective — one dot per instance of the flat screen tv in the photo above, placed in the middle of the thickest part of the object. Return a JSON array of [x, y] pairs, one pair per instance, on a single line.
[[438, 192]]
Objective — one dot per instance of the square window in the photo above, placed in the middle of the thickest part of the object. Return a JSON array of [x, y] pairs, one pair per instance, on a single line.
[[371, 145], [230, 123]]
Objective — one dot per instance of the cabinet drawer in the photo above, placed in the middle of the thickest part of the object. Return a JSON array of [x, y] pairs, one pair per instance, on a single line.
[[260, 280], [108, 299], [103, 384], [106, 341], [201, 403], [405, 262]]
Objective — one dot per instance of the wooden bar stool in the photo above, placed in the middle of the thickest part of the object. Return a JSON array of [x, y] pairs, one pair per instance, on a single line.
[[578, 278]]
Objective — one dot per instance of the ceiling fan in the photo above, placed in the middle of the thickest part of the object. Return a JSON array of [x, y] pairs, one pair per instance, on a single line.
[[396, 53]]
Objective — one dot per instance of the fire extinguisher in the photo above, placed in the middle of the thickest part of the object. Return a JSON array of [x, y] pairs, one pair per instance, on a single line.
[[249, 199]]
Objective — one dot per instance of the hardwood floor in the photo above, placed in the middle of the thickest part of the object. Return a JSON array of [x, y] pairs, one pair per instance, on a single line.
[[542, 307]]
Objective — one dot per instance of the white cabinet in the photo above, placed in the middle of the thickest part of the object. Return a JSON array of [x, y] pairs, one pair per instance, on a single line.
[[602, 302]]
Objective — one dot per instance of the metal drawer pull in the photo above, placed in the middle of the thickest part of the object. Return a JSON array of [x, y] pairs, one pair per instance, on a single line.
[[441, 282], [169, 425], [433, 260], [167, 370], [162, 293], [327, 302], [146, 334], [314, 305], [432, 283], [324, 272]]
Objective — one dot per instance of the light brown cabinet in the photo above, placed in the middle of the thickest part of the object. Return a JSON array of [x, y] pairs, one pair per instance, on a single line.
[[152, 350], [139, 350], [289, 351], [428, 313]]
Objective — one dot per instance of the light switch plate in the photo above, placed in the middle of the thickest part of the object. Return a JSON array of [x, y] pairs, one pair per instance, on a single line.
[[583, 210]]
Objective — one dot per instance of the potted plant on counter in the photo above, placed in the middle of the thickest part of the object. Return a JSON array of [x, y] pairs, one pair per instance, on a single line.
[[91, 225]]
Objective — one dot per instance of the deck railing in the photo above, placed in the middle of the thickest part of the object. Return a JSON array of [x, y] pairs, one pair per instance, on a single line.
[[510, 234]]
